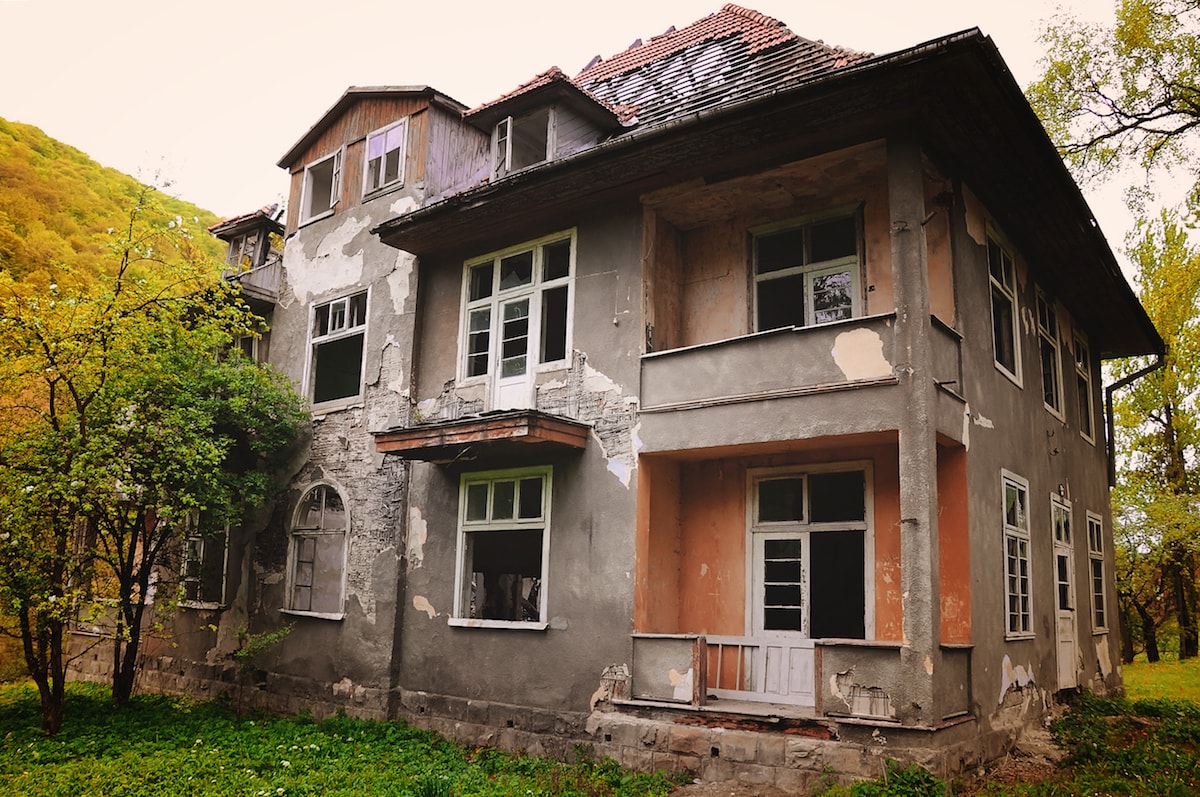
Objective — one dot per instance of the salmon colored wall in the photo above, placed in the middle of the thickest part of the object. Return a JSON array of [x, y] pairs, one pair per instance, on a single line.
[[937, 246], [712, 556], [656, 573], [691, 572], [954, 553]]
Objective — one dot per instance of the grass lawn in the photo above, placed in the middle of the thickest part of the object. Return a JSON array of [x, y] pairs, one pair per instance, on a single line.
[[165, 746], [1166, 678]]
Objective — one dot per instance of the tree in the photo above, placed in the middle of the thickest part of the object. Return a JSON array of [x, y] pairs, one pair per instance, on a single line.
[[1157, 426], [1125, 95], [121, 422]]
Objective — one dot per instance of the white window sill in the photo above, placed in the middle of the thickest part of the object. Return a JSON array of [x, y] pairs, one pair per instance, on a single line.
[[1018, 637], [465, 622], [322, 215], [315, 615], [319, 411], [376, 193], [1009, 374], [203, 605]]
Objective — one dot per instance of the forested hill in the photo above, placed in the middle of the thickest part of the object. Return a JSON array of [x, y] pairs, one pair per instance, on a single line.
[[57, 205]]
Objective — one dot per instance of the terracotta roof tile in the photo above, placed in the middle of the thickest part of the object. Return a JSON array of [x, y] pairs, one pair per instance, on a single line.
[[757, 31], [537, 81]]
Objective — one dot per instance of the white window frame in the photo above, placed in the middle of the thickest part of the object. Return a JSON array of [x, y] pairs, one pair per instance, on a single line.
[[1081, 355], [349, 326], [383, 133], [814, 269], [195, 549], [1095, 529], [335, 188], [459, 618], [1061, 525], [1007, 289], [296, 532], [535, 290], [1048, 327], [1018, 534], [758, 532], [504, 133]]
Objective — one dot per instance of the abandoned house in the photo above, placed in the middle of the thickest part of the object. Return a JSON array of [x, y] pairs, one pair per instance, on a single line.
[[733, 406]]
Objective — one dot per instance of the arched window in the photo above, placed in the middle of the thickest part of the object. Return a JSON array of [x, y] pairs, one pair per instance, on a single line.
[[317, 555]]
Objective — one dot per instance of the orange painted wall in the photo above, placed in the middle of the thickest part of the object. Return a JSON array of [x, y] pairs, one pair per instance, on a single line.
[[656, 572], [937, 246], [889, 604], [712, 556], [954, 552]]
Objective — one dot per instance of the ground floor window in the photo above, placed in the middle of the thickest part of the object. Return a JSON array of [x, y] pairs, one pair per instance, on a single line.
[[317, 555], [503, 547], [809, 538], [202, 570], [1015, 496]]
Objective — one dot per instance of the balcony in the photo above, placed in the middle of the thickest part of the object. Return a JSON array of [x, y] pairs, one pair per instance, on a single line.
[[260, 285], [772, 386]]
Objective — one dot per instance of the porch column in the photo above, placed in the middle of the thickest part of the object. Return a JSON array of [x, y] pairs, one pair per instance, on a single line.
[[914, 698]]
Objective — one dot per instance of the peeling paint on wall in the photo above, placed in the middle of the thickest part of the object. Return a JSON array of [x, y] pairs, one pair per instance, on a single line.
[[859, 355], [1013, 677], [329, 268], [1102, 657], [399, 279], [980, 420], [418, 532], [966, 432], [422, 604], [681, 684]]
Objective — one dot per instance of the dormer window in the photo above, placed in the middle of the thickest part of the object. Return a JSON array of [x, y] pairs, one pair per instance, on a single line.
[[385, 157], [522, 141], [322, 187]]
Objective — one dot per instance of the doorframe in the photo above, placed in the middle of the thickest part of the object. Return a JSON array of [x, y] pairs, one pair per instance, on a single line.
[[1063, 544]]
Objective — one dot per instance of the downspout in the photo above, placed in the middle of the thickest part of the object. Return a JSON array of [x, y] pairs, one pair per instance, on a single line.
[[1108, 412]]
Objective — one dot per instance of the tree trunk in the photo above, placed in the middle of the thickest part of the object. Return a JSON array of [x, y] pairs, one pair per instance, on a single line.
[[1149, 633], [1126, 633]]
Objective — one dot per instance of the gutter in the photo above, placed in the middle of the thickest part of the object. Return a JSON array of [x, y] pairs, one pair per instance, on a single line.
[[1159, 362]]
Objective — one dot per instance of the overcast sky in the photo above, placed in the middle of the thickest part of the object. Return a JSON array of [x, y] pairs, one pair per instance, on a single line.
[[209, 95]]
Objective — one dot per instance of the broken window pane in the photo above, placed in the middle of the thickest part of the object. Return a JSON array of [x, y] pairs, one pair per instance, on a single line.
[[481, 281], [782, 585], [829, 240], [514, 343], [554, 324], [531, 498], [530, 137], [781, 302], [556, 260], [516, 270], [479, 333], [505, 569], [831, 296]]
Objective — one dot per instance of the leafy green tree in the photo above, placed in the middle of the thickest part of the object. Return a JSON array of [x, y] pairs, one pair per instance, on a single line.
[[121, 422], [1157, 425], [1127, 94]]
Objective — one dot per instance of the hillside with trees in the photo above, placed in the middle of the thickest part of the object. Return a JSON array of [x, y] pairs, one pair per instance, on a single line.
[[58, 206]]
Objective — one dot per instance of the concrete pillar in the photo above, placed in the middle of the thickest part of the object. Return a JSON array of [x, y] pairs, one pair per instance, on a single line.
[[916, 703]]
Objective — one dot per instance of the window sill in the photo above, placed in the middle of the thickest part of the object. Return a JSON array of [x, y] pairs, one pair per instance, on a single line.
[[1009, 375], [465, 622], [324, 215], [201, 605], [319, 411], [1018, 637], [1099, 632], [315, 615], [376, 193]]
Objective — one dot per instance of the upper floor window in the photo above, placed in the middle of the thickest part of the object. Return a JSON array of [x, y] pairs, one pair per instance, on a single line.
[[1083, 388], [1047, 321], [338, 331], [1003, 277], [322, 187], [243, 251], [522, 141], [516, 314], [1018, 615], [317, 553], [807, 274], [385, 157], [503, 548]]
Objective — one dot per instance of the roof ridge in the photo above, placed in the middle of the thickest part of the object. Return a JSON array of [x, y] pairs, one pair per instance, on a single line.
[[754, 16]]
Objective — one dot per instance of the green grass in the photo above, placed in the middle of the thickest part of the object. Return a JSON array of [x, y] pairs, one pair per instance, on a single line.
[[1166, 678], [169, 746]]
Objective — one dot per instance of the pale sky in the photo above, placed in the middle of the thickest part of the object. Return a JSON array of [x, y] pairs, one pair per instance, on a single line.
[[209, 95]]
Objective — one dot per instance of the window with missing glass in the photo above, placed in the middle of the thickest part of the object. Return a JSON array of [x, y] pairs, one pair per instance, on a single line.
[[336, 360], [808, 273], [503, 548]]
